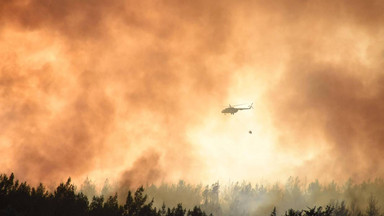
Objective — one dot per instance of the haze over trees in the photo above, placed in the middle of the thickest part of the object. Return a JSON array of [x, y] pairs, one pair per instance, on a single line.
[[243, 198], [292, 199]]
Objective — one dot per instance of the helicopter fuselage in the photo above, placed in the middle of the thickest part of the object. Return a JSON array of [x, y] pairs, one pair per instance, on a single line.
[[231, 110]]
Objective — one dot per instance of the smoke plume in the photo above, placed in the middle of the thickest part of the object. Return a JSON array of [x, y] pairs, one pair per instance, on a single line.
[[134, 89]]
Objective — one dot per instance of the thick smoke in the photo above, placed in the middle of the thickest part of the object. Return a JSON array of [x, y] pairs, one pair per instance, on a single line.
[[112, 88], [92, 85], [330, 96], [146, 167], [332, 103]]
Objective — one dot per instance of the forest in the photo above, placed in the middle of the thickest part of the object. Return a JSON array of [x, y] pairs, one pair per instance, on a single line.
[[294, 198]]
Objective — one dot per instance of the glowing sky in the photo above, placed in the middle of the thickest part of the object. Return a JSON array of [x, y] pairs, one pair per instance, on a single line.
[[133, 90]]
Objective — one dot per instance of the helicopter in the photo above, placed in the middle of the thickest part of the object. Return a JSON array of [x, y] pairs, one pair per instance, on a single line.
[[234, 109]]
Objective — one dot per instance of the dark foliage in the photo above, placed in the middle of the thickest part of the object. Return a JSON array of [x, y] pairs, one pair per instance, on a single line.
[[20, 199], [329, 210], [372, 209], [196, 212], [311, 211], [341, 210], [273, 211]]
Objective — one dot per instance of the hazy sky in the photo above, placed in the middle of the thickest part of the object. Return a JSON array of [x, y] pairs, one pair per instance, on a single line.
[[133, 90]]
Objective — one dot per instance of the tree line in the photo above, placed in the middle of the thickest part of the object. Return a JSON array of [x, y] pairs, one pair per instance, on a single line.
[[244, 198], [18, 198]]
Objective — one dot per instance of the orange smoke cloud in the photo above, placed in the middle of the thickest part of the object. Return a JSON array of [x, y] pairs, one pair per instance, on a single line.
[[92, 85], [115, 88]]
